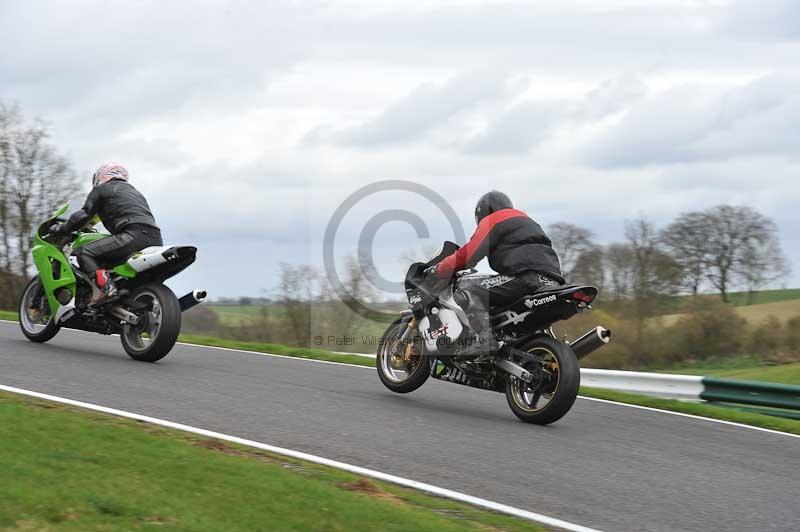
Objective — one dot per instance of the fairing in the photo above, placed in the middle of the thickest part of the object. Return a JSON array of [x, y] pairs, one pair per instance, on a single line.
[[55, 271]]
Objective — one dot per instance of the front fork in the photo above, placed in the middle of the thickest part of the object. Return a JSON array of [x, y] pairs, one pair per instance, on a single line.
[[406, 325], [402, 350]]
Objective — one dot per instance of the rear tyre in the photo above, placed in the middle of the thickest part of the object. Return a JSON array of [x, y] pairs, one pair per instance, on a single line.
[[402, 367], [557, 378], [36, 320], [155, 335]]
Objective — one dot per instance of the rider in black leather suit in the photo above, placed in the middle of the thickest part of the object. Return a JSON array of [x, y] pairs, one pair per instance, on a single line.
[[125, 213], [518, 249]]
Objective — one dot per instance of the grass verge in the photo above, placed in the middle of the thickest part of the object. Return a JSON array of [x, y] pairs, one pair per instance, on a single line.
[[277, 349], [697, 409], [67, 469], [259, 347]]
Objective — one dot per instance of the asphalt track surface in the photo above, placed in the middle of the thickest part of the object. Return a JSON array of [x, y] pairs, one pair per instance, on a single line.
[[604, 466]]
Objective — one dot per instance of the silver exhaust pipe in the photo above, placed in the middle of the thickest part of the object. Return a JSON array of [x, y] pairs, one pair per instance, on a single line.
[[192, 299], [591, 342]]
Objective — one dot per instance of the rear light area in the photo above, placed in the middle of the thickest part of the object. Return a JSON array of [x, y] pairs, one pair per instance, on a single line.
[[583, 297]]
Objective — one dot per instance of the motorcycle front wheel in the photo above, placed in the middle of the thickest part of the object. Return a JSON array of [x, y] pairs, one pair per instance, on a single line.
[[556, 380], [36, 320], [155, 335], [402, 366]]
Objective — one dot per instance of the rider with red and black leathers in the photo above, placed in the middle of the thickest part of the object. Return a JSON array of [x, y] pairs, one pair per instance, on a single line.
[[518, 250]]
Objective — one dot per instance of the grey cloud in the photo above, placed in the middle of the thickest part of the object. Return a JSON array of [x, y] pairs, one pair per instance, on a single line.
[[527, 124], [514, 131], [125, 63], [517, 130], [756, 19], [424, 108], [152, 155], [609, 97], [692, 123], [550, 37], [125, 80], [523, 24]]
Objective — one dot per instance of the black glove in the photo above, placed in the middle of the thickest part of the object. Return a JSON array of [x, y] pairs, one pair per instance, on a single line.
[[430, 273], [58, 228], [431, 281]]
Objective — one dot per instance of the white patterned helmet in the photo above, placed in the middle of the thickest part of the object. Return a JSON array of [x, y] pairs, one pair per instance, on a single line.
[[107, 172]]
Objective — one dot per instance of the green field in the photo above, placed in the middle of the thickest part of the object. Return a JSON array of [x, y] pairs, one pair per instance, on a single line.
[[764, 296], [238, 315], [65, 469], [747, 368], [755, 314], [783, 304], [784, 373], [783, 310], [274, 319]]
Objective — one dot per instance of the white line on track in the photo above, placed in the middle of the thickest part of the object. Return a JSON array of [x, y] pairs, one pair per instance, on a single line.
[[692, 416], [639, 407], [428, 488]]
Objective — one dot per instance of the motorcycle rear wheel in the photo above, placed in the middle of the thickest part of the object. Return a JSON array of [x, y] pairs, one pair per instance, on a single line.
[[402, 369], [153, 338], [557, 378]]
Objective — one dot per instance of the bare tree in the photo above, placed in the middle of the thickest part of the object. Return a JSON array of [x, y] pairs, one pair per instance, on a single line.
[[620, 265], [743, 246], [686, 241], [335, 314], [570, 241], [762, 263], [10, 120], [297, 291], [654, 273], [589, 268], [34, 179]]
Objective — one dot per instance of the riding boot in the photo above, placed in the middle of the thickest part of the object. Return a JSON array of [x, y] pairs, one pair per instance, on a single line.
[[107, 290], [485, 341]]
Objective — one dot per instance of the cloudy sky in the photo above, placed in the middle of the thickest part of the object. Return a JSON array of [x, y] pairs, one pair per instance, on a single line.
[[247, 124]]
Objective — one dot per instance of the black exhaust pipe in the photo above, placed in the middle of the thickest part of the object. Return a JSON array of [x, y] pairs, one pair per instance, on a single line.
[[192, 299], [591, 342]]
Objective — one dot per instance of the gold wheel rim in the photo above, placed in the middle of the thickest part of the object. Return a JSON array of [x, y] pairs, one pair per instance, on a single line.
[[409, 359], [524, 397]]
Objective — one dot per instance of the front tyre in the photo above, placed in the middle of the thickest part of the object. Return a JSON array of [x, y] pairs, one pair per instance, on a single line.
[[36, 319], [402, 366], [557, 378], [157, 331]]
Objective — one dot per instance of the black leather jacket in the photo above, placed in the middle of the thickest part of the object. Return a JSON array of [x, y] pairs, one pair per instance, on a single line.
[[514, 244], [118, 204]]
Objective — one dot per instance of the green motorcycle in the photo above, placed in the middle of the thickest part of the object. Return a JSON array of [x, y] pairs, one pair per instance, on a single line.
[[147, 315]]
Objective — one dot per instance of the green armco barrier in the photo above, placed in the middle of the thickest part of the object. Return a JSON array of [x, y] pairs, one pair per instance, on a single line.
[[751, 393]]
